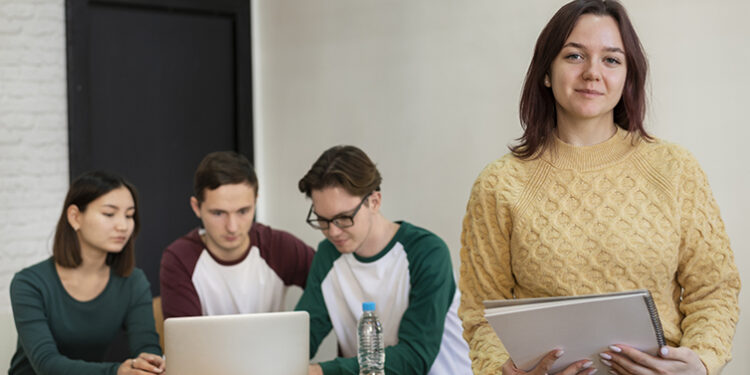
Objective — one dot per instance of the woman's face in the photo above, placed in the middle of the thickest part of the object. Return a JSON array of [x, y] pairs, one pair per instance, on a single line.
[[588, 75], [107, 223]]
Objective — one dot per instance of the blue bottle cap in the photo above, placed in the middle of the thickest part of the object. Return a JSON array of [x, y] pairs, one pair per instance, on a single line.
[[368, 306]]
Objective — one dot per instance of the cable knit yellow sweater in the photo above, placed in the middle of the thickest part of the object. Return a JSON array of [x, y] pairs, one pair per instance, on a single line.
[[622, 215]]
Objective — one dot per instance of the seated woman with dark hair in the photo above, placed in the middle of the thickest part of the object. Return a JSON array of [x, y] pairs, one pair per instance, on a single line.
[[70, 307]]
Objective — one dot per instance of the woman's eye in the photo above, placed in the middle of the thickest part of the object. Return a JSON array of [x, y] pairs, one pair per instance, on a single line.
[[574, 56], [612, 60], [107, 214]]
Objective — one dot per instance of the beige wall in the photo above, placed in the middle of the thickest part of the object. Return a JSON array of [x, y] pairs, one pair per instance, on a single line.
[[430, 90]]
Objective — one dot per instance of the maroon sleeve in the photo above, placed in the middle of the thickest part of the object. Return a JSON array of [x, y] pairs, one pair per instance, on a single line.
[[287, 255], [178, 294]]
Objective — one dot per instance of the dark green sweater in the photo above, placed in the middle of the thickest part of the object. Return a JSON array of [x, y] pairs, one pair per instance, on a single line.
[[60, 335]]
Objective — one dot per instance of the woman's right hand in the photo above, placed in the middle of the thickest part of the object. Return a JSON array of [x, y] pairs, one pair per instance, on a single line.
[[144, 364], [582, 367]]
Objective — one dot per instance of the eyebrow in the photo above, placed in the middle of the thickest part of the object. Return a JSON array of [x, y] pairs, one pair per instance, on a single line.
[[338, 215], [223, 210], [117, 208], [581, 46]]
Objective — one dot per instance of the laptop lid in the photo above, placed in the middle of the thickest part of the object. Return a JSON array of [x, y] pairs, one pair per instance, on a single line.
[[247, 344]]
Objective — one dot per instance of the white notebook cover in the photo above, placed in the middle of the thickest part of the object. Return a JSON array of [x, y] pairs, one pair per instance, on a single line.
[[583, 326]]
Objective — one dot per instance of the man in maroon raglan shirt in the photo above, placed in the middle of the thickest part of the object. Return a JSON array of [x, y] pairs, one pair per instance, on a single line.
[[231, 265]]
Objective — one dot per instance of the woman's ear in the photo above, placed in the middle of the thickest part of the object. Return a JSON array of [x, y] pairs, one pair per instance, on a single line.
[[547, 82], [74, 217]]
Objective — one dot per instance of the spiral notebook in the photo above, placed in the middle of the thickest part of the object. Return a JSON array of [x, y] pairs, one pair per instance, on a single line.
[[583, 326]]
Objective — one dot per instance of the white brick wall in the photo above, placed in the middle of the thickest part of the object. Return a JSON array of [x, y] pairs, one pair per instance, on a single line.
[[33, 132]]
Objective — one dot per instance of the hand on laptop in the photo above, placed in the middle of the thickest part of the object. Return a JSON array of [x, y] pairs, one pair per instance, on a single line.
[[315, 370], [145, 363]]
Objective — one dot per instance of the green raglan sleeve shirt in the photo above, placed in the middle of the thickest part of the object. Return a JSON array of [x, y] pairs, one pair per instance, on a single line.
[[312, 298], [430, 297], [430, 294]]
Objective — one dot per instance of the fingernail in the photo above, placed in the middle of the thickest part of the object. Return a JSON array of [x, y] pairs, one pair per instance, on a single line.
[[593, 371], [605, 355], [606, 362], [559, 353], [587, 364], [615, 349], [664, 350]]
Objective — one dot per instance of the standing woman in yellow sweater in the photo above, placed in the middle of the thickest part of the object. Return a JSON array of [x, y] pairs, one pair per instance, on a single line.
[[587, 202]]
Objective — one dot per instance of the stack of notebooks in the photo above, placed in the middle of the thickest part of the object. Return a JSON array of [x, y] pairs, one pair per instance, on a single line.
[[582, 326]]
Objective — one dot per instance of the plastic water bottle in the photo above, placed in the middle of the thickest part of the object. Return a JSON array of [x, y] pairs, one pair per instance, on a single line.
[[371, 354]]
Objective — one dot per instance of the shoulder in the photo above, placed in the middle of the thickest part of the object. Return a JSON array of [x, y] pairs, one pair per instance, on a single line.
[[263, 231], [190, 242], [661, 150], [669, 159], [136, 280], [263, 235], [416, 237], [185, 250], [428, 256], [38, 281], [137, 276], [507, 175], [41, 272], [422, 246], [507, 167]]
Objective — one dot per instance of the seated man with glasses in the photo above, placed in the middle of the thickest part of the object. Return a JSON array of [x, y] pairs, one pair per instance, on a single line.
[[404, 269]]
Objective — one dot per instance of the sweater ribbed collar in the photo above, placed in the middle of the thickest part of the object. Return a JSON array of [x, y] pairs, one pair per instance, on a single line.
[[566, 156]]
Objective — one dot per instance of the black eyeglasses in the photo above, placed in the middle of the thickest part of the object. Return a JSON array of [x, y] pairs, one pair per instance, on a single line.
[[341, 221]]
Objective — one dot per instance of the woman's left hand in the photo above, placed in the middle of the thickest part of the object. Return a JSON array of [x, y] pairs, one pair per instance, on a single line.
[[144, 363], [626, 360]]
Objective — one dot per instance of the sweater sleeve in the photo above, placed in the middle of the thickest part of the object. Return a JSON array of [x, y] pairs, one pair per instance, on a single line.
[[178, 294], [36, 338], [706, 272], [485, 268], [139, 321]]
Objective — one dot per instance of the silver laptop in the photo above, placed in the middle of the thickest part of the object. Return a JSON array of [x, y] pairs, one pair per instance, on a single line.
[[248, 344]]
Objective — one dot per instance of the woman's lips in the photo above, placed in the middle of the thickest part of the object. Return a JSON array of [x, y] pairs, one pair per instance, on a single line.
[[589, 93]]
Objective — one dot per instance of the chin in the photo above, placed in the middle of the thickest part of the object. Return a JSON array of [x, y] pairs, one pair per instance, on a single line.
[[228, 247], [345, 249]]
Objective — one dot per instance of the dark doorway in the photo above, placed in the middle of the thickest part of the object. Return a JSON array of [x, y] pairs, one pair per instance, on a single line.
[[153, 86]]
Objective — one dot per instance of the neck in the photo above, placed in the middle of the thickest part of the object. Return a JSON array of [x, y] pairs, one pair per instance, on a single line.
[[92, 261], [226, 255], [380, 235], [586, 132]]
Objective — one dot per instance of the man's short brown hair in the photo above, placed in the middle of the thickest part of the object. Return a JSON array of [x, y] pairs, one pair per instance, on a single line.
[[223, 168], [347, 167]]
